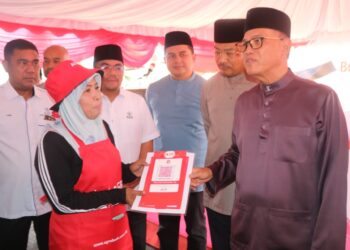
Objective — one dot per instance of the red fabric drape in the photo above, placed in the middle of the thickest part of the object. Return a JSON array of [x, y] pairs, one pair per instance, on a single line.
[[80, 43], [137, 49]]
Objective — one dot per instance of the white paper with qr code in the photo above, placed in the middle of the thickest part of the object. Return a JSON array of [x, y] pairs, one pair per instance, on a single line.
[[165, 182]]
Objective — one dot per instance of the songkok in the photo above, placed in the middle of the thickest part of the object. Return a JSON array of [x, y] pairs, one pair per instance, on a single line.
[[64, 78], [177, 38], [228, 30], [270, 18], [108, 52]]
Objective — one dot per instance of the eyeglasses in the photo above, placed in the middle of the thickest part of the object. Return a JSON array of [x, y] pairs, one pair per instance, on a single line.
[[255, 43], [116, 67]]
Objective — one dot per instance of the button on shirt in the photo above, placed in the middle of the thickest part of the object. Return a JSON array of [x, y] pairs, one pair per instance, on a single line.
[[131, 123], [22, 123], [268, 94]]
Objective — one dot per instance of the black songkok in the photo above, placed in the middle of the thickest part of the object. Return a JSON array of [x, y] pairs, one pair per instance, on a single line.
[[270, 18], [177, 38], [108, 52], [228, 30]]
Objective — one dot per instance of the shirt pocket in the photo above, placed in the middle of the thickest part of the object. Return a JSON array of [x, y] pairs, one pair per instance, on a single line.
[[42, 121], [242, 232], [292, 144], [288, 228]]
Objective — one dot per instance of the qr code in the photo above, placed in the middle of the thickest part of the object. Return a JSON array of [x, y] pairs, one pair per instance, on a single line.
[[165, 171]]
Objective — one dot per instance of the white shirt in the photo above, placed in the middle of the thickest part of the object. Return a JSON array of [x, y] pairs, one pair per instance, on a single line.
[[21, 126], [131, 123]]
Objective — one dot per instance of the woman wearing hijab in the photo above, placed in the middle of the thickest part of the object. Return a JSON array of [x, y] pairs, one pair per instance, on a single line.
[[81, 169]]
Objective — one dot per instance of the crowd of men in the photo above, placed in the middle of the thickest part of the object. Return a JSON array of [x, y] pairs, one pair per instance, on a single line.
[[271, 149]]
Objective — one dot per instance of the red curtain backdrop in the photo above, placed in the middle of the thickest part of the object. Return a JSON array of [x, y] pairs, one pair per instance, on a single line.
[[81, 25], [137, 49]]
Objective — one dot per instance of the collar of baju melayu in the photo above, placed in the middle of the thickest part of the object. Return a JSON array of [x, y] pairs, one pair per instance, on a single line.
[[187, 80], [280, 84], [238, 77]]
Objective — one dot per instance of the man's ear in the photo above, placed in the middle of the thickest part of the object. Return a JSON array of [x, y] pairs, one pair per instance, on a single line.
[[5, 65], [287, 43]]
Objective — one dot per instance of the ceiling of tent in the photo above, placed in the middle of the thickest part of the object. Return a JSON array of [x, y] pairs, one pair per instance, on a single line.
[[141, 24]]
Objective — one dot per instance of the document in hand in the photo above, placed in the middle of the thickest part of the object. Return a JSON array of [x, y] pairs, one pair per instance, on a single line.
[[165, 182]]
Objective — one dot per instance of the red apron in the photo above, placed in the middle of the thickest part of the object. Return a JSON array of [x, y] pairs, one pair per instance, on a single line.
[[102, 229]]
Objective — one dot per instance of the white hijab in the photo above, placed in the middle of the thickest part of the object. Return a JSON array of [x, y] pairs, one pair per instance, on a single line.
[[70, 111]]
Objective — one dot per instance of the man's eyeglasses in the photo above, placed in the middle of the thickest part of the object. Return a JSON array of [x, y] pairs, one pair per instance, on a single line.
[[255, 43], [117, 67]]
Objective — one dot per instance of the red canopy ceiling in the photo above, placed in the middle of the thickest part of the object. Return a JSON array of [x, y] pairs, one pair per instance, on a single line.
[[137, 49], [139, 25]]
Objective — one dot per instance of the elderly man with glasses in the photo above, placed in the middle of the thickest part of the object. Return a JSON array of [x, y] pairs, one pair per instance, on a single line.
[[289, 154]]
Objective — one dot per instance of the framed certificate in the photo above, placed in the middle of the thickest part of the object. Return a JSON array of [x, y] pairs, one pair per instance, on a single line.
[[166, 183]]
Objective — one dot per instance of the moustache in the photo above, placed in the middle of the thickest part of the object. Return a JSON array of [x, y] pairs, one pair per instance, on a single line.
[[112, 78], [223, 65]]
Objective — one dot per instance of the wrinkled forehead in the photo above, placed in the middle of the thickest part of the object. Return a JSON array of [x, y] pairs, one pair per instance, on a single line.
[[110, 62], [28, 54], [178, 49], [53, 51], [225, 46], [54, 54], [261, 32]]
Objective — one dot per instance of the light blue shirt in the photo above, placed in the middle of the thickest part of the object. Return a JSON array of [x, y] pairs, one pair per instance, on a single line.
[[175, 106]]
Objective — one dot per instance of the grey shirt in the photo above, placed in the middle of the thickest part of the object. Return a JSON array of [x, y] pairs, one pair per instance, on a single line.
[[218, 99]]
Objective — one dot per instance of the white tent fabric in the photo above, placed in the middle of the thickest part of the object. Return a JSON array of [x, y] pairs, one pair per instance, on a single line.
[[311, 19]]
